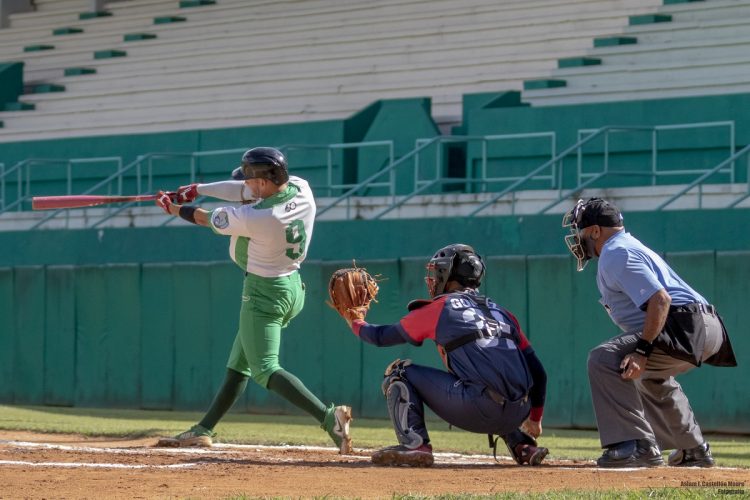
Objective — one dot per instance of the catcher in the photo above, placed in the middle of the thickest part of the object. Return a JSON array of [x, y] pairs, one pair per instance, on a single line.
[[494, 383]]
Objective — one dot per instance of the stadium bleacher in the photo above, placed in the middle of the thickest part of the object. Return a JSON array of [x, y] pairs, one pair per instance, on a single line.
[[217, 75], [699, 48], [273, 62]]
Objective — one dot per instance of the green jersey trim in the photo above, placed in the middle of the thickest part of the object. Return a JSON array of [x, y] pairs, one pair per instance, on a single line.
[[278, 198], [240, 251]]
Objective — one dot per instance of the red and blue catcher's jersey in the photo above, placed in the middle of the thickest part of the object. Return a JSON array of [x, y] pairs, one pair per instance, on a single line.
[[478, 340]]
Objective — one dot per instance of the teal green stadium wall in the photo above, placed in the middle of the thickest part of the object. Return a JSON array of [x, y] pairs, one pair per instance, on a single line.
[[405, 120], [669, 231], [144, 318], [399, 120], [486, 114]]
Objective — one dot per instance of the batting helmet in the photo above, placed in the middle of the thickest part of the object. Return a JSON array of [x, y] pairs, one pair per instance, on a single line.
[[263, 163], [455, 262]]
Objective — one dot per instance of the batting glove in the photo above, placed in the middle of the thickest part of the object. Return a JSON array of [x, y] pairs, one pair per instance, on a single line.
[[186, 194], [164, 201]]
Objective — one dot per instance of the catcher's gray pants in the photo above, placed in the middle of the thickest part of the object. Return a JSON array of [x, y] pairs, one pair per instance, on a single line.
[[652, 407]]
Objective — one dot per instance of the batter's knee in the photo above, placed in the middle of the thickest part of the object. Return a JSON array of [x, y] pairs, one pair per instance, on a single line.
[[261, 375]]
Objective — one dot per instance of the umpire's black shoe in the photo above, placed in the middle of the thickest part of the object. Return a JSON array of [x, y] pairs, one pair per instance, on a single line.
[[700, 456], [633, 453]]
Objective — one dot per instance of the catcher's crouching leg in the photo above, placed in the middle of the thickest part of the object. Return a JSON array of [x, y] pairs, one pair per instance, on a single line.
[[523, 448], [406, 412]]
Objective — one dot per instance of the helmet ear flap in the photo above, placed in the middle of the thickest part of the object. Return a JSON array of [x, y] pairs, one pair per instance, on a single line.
[[468, 269]]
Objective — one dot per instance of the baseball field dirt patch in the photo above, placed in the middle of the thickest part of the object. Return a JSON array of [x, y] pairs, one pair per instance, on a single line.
[[68, 466]]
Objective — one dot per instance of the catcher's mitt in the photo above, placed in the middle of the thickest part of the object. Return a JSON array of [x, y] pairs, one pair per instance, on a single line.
[[351, 290]]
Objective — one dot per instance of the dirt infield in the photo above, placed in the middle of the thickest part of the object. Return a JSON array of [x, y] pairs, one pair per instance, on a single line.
[[64, 466]]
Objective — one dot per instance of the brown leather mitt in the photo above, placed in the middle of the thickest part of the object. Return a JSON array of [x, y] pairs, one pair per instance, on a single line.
[[351, 291]]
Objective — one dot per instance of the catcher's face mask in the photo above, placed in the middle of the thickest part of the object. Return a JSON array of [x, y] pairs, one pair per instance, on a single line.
[[431, 279], [575, 241]]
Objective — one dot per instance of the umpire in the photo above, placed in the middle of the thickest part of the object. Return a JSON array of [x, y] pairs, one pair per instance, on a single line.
[[669, 329]]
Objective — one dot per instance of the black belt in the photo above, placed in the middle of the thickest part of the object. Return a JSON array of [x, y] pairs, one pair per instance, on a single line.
[[696, 307]]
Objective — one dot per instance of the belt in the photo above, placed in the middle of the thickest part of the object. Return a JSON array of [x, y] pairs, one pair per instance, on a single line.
[[696, 307], [500, 399]]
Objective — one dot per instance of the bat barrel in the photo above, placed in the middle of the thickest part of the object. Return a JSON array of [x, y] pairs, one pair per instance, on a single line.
[[83, 200]]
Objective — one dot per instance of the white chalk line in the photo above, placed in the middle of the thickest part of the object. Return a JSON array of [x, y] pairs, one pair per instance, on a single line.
[[225, 449], [96, 465], [118, 451], [444, 458]]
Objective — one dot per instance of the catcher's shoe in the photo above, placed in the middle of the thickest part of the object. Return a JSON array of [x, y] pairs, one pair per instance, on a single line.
[[336, 424], [197, 435], [530, 454], [633, 453], [700, 456], [401, 455]]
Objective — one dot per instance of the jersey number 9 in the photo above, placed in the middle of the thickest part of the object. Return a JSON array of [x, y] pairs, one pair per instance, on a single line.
[[295, 234]]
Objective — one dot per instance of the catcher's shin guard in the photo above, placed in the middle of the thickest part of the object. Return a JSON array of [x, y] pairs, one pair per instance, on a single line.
[[398, 400]]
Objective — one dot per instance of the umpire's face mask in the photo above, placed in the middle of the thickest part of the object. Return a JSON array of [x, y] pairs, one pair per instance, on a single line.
[[581, 247]]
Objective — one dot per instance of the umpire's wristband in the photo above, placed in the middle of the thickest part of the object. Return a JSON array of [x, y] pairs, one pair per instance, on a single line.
[[188, 213], [644, 348]]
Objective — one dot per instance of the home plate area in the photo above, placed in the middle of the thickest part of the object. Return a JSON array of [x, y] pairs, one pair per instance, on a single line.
[[67, 466]]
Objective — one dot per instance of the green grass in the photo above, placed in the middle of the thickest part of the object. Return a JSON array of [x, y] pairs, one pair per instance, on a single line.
[[669, 493], [732, 451], [697, 493]]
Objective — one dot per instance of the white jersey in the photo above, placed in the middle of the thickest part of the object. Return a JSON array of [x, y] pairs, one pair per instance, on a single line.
[[270, 237]]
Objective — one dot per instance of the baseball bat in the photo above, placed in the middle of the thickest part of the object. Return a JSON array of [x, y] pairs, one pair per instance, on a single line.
[[85, 200]]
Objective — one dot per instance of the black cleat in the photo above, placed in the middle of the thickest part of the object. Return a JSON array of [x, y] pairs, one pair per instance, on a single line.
[[529, 454], [700, 456], [633, 453]]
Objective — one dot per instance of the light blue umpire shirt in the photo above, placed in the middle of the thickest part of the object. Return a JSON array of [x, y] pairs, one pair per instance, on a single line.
[[629, 273]]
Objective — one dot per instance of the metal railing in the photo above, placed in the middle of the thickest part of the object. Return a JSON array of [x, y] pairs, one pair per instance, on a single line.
[[23, 171], [389, 169], [423, 185], [142, 171], [145, 166], [114, 177], [585, 179], [699, 182], [330, 186], [655, 131], [550, 164]]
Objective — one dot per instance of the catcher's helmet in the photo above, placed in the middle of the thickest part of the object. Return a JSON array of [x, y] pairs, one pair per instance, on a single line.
[[263, 163], [455, 262]]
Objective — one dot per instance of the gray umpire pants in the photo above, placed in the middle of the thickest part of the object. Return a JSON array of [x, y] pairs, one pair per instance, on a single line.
[[653, 407]]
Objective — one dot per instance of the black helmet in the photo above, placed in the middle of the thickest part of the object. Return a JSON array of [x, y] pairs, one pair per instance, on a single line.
[[455, 262], [263, 163]]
